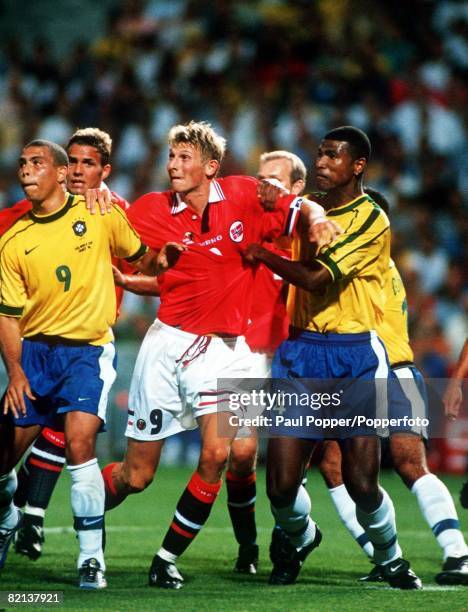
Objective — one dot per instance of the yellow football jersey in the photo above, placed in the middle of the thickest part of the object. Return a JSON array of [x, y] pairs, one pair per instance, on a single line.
[[56, 274], [357, 261], [394, 328]]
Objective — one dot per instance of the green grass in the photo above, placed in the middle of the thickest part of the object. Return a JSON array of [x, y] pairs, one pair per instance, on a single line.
[[328, 580]]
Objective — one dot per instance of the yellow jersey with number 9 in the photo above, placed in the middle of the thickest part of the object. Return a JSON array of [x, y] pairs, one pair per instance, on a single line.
[[56, 273]]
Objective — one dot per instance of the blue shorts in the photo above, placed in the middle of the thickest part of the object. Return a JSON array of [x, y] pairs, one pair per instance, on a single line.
[[66, 378], [408, 402], [330, 376]]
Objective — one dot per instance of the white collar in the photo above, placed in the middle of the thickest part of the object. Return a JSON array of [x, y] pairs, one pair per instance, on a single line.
[[216, 195]]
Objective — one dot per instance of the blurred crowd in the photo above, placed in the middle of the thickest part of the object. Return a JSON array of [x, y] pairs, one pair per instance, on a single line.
[[276, 74]]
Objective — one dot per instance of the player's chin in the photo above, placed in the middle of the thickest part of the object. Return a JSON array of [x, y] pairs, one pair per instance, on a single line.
[[77, 189], [178, 185], [322, 183]]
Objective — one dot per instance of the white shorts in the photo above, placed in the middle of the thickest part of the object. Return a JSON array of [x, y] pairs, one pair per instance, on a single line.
[[176, 377], [261, 365]]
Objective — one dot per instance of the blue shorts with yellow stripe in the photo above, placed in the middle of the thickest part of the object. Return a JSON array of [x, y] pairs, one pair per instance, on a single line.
[[65, 376], [330, 376]]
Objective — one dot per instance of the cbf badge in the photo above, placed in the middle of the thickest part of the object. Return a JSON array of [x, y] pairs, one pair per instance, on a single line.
[[79, 227]]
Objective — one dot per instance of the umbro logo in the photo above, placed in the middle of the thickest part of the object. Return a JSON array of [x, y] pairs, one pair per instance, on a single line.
[[27, 251]]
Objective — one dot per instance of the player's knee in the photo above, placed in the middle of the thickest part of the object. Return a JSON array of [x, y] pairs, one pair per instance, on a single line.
[[281, 491], [212, 459], [364, 492], [79, 450], [137, 480], [242, 462], [410, 471]]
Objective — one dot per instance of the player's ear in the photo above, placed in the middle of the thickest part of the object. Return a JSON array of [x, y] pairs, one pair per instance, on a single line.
[[211, 168], [106, 170], [62, 172], [298, 187], [359, 165]]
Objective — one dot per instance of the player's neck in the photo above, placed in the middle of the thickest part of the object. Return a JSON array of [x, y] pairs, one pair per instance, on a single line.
[[49, 204], [339, 196], [197, 199]]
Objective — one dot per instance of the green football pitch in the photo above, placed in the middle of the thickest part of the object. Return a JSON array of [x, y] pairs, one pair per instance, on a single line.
[[328, 580]]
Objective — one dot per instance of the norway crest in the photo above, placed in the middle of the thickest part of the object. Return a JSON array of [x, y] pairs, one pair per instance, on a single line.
[[79, 227], [236, 231]]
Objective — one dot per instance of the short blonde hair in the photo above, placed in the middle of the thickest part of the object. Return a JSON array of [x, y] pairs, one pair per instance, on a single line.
[[199, 134], [298, 169]]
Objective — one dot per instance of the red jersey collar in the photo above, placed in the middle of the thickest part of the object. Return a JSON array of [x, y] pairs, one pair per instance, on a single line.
[[216, 195]]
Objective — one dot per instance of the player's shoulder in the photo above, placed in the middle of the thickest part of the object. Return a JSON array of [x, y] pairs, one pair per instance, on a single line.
[[236, 185], [154, 200], [10, 216], [371, 215], [120, 201]]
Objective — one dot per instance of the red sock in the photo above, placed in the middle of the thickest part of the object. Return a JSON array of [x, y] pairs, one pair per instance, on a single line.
[[241, 495], [113, 496]]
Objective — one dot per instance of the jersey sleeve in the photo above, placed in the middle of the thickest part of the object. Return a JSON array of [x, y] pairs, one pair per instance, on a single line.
[[125, 243], [283, 219], [13, 294], [358, 247], [145, 216]]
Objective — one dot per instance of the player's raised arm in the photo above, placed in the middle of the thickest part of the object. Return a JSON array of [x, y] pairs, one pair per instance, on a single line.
[[320, 230], [18, 384]]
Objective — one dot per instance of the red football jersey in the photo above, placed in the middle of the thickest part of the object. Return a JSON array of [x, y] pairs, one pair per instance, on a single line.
[[209, 290], [8, 216], [269, 320]]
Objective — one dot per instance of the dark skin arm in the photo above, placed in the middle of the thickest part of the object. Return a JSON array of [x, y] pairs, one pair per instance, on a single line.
[[311, 277], [18, 384]]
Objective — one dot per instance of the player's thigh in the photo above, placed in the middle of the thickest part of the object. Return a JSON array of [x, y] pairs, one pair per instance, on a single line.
[[330, 463], [286, 462], [14, 441]]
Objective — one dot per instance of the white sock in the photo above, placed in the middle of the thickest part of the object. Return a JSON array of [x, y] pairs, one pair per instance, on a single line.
[[34, 511], [87, 500], [438, 509], [167, 556], [380, 526], [295, 521], [346, 509], [8, 511]]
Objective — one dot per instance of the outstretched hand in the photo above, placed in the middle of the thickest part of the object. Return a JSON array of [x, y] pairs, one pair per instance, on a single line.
[[268, 191], [323, 232]]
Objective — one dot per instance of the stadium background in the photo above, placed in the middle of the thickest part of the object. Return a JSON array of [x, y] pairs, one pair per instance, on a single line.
[[267, 74]]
